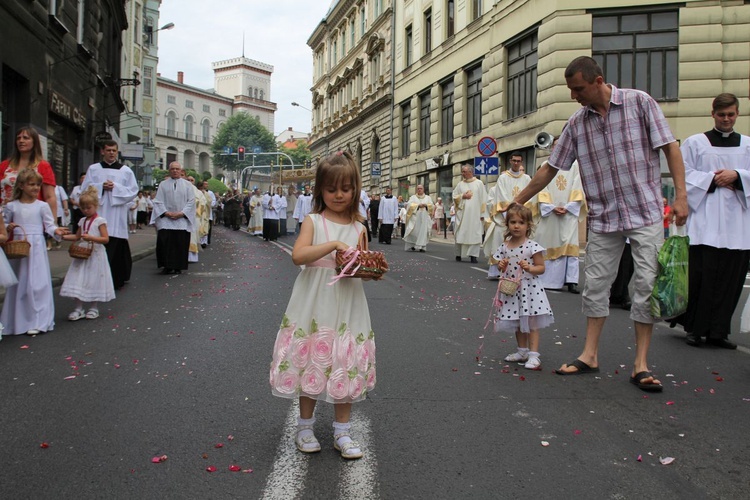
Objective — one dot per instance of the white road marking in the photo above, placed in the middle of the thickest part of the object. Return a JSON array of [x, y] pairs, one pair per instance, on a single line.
[[436, 257], [287, 477], [358, 478]]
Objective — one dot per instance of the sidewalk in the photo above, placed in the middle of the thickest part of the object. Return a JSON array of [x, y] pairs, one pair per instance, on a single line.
[[142, 244]]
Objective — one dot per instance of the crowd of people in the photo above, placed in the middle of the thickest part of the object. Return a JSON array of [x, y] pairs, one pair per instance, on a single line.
[[604, 169]]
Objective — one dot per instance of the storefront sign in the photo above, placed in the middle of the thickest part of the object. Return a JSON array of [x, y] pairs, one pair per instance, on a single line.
[[65, 109]]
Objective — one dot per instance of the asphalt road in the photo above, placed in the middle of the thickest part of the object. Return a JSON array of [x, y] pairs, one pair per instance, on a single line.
[[178, 366]]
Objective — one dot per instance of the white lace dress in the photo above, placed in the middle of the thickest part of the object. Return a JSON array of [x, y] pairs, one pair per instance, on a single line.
[[325, 347], [90, 280]]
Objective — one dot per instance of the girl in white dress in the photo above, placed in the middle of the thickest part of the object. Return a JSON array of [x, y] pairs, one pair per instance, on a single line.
[[528, 310], [29, 306], [89, 280], [325, 348]]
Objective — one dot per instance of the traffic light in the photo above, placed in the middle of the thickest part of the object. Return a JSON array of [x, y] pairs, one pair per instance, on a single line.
[[241, 153]]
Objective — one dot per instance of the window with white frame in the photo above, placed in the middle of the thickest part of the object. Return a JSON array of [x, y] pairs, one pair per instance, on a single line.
[[638, 49], [171, 99], [362, 22], [146, 127], [206, 108], [222, 112], [474, 99], [205, 130], [148, 73], [351, 32], [522, 75], [189, 122], [171, 124], [476, 9], [189, 104]]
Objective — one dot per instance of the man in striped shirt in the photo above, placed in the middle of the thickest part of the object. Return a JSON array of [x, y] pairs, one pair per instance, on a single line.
[[616, 137]]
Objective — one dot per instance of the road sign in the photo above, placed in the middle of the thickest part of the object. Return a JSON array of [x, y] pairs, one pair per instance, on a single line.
[[486, 165], [375, 169], [487, 146], [226, 150], [257, 150]]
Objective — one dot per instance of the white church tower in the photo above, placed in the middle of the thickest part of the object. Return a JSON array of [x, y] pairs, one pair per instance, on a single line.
[[248, 82]]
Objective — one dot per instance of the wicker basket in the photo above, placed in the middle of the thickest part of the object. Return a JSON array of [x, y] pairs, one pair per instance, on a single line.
[[80, 249], [508, 286], [368, 265], [17, 249]]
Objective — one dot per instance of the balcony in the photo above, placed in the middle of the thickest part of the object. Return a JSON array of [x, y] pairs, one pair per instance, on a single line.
[[183, 136]]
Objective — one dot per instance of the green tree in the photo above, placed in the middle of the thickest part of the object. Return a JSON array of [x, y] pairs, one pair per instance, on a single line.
[[300, 154], [217, 186], [206, 175], [159, 175], [240, 130]]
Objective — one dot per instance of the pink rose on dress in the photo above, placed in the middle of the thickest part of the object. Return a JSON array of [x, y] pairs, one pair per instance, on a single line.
[[300, 351], [287, 382], [365, 355], [356, 386], [371, 379], [338, 384], [283, 341], [321, 352], [313, 380], [346, 351]]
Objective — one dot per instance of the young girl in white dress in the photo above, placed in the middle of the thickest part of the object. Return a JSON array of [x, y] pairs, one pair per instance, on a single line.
[[29, 306], [325, 348], [528, 310], [89, 280]]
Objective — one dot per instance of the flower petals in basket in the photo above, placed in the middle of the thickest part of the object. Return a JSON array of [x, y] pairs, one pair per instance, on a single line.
[[354, 263], [17, 249], [81, 249], [508, 286]]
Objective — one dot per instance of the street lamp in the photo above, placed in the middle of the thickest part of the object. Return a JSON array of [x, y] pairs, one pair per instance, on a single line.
[[148, 36], [167, 26], [301, 106]]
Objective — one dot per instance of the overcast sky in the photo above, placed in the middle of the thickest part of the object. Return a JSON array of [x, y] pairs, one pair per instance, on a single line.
[[276, 33]]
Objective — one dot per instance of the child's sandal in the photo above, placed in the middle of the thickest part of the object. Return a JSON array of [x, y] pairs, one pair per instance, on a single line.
[[76, 315], [307, 443], [346, 448], [92, 314]]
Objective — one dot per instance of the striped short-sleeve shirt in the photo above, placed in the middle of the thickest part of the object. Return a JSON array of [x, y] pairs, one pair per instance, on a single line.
[[618, 156]]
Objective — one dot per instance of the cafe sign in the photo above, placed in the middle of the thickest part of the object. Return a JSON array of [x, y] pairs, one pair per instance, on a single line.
[[65, 109]]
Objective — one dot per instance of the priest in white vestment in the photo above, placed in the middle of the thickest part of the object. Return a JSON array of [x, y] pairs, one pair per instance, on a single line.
[[419, 210], [470, 198], [562, 206], [717, 175], [508, 185], [116, 186], [303, 206], [255, 226], [201, 221], [387, 216], [174, 218], [291, 203]]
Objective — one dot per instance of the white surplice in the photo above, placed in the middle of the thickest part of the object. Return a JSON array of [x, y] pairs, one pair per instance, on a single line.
[[113, 205], [469, 213]]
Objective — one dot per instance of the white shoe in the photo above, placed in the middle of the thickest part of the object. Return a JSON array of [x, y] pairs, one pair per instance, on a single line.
[[308, 443], [92, 314], [517, 357], [533, 364], [76, 315], [33, 332]]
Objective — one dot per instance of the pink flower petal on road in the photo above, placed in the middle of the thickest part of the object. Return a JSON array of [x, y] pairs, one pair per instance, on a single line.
[[247, 471], [670, 403], [210, 468], [71, 377], [24, 347], [44, 445], [219, 445], [666, 460], [577, 432], [159, 459], [640, 458], [230, 438], [235, 468], [545, 443]]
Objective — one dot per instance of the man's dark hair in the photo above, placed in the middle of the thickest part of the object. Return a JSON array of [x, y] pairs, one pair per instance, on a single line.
[[108, 142], [586, 66], [725, 100], [515, 153]]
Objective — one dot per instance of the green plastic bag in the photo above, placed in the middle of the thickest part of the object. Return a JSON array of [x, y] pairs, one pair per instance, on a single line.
[[670, 295]]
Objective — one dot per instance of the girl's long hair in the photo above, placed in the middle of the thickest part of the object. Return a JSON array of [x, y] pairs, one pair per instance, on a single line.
[[36, 151], [335, 170], [522, 212], [24, 176]]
